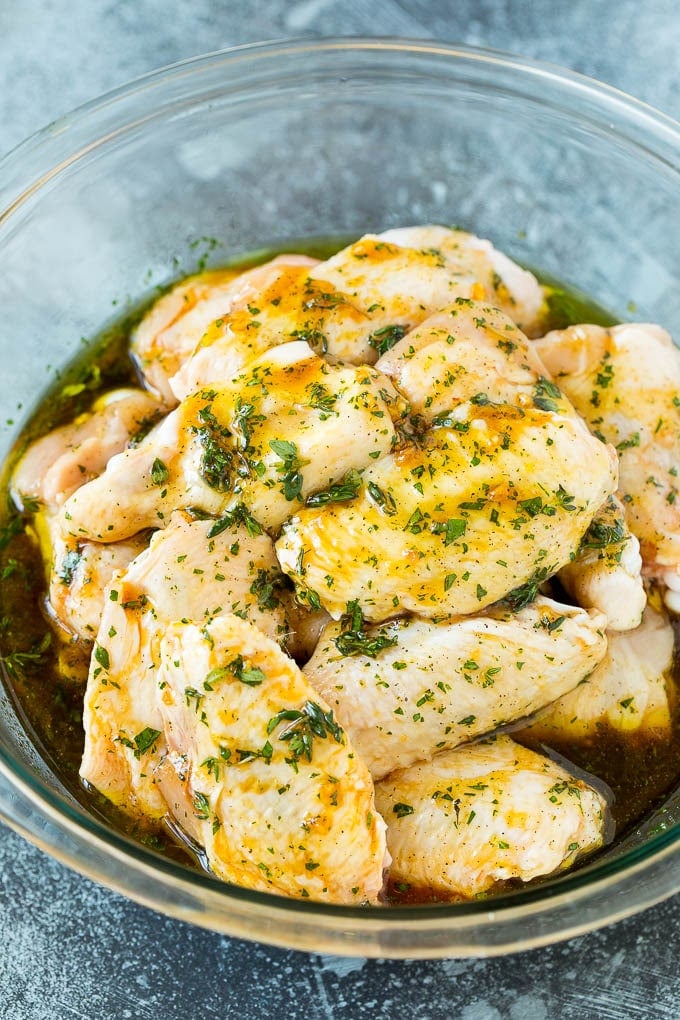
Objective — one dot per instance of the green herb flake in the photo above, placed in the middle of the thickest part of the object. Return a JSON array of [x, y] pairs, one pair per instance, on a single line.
[[302, 727], [383, 339], [401, 810], [339, 492], [289, 468], [354, 640], [382, 499], [102, 656], [627, 444], [146, 740], [252, 676], [159, 472], [201, 806], [238, 514]]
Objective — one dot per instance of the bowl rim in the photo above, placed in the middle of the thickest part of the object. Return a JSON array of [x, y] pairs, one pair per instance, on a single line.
[[44, 155], [615, 100]]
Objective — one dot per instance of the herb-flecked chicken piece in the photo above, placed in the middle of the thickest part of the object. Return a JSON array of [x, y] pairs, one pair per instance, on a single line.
[[193, 571], [175, 324], [141, 486], [468, 350], [606, 573], [625, 381], [494, 497], [483, 814], [412, 687], [260, 446], [60, 462], [50, 471], [292, 307], [472, 351], [627, 692], [80, 573], [281, 801], [358, 303], [405, 275]]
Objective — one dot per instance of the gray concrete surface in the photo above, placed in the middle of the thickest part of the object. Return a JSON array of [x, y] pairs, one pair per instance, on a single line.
[[71, 949]]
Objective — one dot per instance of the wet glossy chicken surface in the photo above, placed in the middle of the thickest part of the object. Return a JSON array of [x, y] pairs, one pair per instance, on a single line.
[[484, 813], [353, 523]]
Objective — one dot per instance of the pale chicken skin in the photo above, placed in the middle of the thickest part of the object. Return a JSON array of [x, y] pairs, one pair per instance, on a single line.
[[628, 692], [493, 498], [486, 813], [142, 486], [404, 275], [122, 724], [467, 351], [281, 800], [414, 687], [56, 465], [471, 351], [173, 327], [290, 426], [186, 573], [606, 573], [356, 304], [625, 381], [80, 575], [301, 425], [292, 307]]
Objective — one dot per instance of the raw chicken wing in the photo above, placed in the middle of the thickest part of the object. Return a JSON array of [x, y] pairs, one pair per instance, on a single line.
[[606, 573], [143, 485], [625, 381], [80, 573], [627, 691], [186, 573], [175, 324], [59, 463], [282, 802], [407, 274], [292, 307], [301, 425], [484, 814], [289, 426], [493, 498], [468, 351], [414, 687]]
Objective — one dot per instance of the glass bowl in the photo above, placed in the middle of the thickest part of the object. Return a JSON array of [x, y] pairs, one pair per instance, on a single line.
[[265, 143]]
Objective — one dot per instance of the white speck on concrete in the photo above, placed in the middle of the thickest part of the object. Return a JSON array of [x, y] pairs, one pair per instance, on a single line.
[[480, 1010], [341, 966], [528, 1007], [456, 968]]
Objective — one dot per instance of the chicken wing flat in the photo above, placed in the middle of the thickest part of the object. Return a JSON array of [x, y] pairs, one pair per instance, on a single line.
[[625, 381], [494, 497], [281, 800], [186, 573], [413, 687], [486, 813]]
